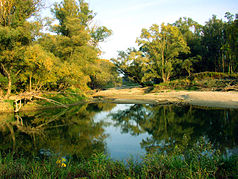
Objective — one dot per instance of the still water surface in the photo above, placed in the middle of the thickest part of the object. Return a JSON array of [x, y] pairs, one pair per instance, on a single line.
[[119, 130]]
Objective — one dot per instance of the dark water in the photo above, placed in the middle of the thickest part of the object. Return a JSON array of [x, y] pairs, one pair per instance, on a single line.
[[121, 131]]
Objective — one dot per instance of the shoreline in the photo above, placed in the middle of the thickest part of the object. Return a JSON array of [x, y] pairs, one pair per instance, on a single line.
[[212, 99], [197, 98]]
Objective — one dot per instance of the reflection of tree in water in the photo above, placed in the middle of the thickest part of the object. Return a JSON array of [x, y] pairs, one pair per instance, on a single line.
[[168, 124], [66, 131]]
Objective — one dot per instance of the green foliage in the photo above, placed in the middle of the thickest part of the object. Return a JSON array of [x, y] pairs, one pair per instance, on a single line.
[[76, 46], [31, 60], [199, 162], [104, 75], [160, 48], [132, 64], [163, 46], [201, 81], [176, 50], [219, 39], [69, 96], [214, 75], [179, 84], [15, 12]]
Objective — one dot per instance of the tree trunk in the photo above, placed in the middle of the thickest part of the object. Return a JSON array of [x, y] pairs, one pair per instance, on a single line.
[[9, 88], [164, 78], [223, 64], [30, 83]]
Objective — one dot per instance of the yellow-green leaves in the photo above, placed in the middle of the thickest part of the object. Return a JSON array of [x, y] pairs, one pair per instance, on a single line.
[[30, 59], [163, 45], [40, 67]]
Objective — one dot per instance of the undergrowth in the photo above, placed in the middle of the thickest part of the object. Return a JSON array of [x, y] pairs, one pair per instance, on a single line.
[[69, 96], [212, 81]]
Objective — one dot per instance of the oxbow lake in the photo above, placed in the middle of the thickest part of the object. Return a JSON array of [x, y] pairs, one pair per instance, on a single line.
[[121, 131]]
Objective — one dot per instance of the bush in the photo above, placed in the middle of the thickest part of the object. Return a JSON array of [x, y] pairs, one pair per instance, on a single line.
[[214, 75]]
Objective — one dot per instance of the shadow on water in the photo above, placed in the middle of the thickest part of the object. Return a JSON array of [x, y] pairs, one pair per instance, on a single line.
[[76, 133]]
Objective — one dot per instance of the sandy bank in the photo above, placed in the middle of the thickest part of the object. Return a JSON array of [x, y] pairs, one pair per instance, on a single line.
[[200, 98]]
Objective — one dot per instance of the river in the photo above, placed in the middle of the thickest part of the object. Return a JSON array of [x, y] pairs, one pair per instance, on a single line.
[[121, 131]]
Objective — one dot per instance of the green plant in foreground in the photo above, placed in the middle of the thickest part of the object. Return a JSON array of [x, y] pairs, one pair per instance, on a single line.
[[200, 161]]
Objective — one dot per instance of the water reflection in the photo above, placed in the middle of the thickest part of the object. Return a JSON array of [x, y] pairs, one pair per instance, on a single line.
[[72, 131], [104, 127], [166, 125]]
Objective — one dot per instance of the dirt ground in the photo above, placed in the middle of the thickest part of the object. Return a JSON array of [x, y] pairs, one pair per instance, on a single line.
[[141, 96]]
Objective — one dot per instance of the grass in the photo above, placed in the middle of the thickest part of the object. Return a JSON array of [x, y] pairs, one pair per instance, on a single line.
[[70, 96], [201, 161]]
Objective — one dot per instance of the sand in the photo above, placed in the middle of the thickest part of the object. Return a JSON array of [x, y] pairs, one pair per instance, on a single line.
[[141, 96]]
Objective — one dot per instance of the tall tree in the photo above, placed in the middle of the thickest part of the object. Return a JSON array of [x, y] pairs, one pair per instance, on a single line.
[[229, 48], [191, 32], [163, 46], [76, 42], [213, 40], [15, 35]]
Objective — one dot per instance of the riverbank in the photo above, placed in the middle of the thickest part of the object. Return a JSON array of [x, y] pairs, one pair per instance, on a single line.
[[37, 101], [133, 95], [137, 95]]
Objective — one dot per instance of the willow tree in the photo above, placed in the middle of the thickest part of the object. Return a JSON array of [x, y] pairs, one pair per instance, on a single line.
[[162, 45]]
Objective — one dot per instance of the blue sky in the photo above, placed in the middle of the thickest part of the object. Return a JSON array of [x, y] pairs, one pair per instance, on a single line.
[[126, 18]]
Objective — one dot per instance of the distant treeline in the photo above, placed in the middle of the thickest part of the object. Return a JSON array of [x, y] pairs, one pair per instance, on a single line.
[[31, 59], [177, 50]]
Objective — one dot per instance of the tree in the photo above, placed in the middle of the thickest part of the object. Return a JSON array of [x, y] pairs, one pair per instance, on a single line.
[[15, 35], [213, 40], [39, 68], [104, 75], [13, 43], [76, 43], [162, 45], [187, 65], [229, 49], [15, 12], [131, 64], [191, 32]]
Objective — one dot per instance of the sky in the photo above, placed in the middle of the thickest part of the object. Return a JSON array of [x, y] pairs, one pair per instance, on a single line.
[[126, 18]]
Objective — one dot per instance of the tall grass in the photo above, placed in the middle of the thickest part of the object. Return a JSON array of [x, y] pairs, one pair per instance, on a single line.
[[200, 161]]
